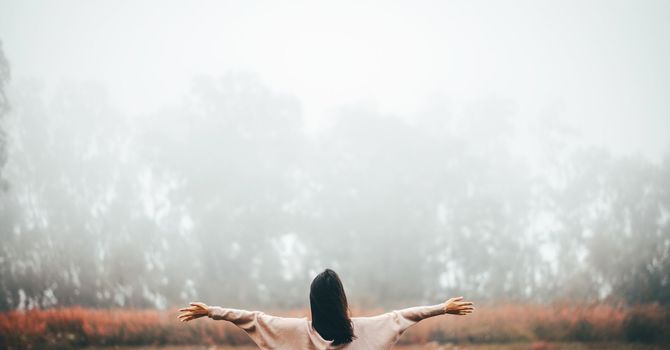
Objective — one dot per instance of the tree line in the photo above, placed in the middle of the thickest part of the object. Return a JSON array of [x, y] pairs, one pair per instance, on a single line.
[[224, 197]]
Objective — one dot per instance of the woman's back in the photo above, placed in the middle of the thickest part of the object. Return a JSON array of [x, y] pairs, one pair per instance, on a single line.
[[372, 333], [330, 327]]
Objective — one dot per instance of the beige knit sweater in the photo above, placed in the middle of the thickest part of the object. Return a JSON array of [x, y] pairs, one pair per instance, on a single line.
[[372, 333]]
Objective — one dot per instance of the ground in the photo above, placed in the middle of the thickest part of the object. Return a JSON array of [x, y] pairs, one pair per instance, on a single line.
[[515, 346]]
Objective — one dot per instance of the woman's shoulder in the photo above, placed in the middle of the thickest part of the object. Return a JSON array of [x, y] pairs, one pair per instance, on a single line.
[[284, 321], [379, 329], [363, 320]]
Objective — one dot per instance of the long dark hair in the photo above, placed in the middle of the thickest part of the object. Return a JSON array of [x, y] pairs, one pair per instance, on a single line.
[[330, 311]]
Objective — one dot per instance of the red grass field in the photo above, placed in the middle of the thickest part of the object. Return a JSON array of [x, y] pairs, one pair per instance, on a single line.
[[536, 326], [431, 346]]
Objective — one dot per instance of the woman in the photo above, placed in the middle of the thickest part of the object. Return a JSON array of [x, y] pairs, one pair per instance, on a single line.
[[330, 327]]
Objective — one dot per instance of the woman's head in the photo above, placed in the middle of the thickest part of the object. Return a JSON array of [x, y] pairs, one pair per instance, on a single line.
[[330, 311]]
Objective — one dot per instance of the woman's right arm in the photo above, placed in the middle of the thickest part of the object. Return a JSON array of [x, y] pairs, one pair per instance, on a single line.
[[453, 306], [402, 319]]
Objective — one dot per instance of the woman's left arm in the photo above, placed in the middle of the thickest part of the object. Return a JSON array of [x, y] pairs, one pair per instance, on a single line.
[[267, 331], [196, 310], [199, 309]]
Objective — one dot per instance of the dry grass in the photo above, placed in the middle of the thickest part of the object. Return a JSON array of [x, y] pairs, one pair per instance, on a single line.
[[510, 326], [433, 346], [538, 346]]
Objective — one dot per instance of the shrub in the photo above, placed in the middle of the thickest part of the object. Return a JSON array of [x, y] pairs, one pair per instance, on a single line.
[[647, 324], [67, 328]]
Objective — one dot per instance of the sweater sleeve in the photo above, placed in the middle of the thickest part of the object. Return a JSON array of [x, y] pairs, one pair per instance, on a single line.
[[265, 330], [406, 318], [241, 318], [384, 330]]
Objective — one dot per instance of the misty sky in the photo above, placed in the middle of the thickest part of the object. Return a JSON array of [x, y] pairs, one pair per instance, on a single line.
[[600, 66]]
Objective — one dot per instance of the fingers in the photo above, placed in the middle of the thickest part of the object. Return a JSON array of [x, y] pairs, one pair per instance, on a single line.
[[192, 313], [197, 309], [185, 315], [463, 305], [189, 316], [457, 302], [454, 300], [199, 305], [456, 306], [464, 311]]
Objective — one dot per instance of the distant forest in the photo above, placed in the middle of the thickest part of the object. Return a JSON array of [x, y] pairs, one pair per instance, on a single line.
[[224, 197]]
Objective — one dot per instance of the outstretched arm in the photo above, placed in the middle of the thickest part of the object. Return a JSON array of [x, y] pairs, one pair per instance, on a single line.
[[405, 318], [267, 331], [453, 306], [196, 310], [236, 316], [386, 329], [456, 306]]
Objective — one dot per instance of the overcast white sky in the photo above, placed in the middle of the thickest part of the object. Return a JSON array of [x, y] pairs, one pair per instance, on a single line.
[[604, 63]]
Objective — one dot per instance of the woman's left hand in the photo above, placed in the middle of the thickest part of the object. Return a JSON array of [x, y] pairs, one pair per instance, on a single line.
[[196, 310]]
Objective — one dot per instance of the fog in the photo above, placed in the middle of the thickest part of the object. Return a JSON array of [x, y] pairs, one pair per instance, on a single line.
[[154, 153]]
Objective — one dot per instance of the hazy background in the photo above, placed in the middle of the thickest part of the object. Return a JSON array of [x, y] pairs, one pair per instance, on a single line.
[[157, 152]]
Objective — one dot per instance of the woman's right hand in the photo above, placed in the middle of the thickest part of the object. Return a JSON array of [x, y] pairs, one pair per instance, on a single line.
[[456, 306]]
